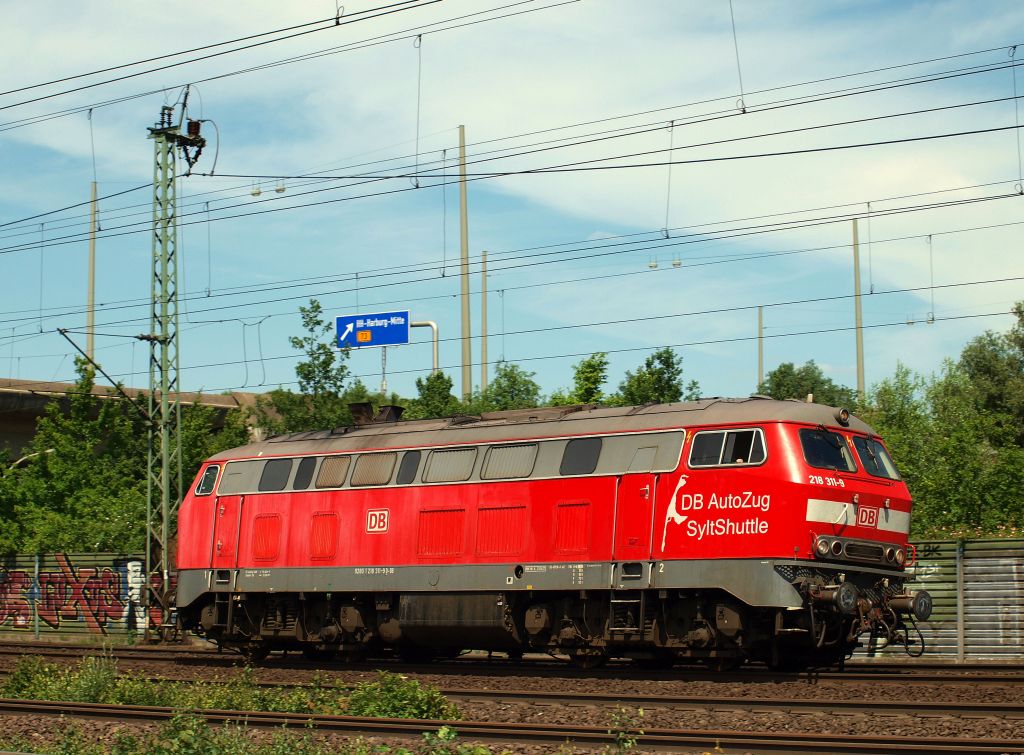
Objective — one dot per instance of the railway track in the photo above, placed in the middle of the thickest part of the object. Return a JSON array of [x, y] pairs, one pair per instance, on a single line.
[[703, 702], [672, 740], [541, 666], [752, 704]]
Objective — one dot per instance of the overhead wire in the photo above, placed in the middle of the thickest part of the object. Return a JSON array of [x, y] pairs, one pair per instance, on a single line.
[[402, 5], [615, 133], [572, 166], [166, 56], [691, 263], [208, 226], [549, 250], [348, 47], [741, 231], [714, 116], [931, 288], [740, 105], [49, 388], [782, 87], [672, 147], [703, 342], [656, 236], [77, 204]]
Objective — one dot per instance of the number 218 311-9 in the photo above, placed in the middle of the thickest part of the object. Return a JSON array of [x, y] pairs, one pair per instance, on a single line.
[[829, 482]]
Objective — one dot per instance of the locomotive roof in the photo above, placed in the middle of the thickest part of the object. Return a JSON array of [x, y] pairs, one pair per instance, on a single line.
[[547, 422]]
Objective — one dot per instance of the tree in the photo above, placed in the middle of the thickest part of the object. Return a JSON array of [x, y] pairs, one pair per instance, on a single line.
[[321, 403], [994, 363], [82, 482], [959, 458], [200, 439], [588, 377], [788, 381], [434, 399], [9, 527], [659, 380], [512, 388], [80, 485], [965, 475], [899, 411]]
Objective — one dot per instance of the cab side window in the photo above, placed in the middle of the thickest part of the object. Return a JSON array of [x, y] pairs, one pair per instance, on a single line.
[[208, 480], [716, 448]]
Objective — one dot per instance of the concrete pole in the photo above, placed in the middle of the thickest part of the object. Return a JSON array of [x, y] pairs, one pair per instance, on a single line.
[[861, 392], [467, 357], [90, 317], [760, 346], [483, 324]]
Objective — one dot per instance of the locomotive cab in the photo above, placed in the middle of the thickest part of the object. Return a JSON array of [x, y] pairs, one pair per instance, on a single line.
[[858, 520]]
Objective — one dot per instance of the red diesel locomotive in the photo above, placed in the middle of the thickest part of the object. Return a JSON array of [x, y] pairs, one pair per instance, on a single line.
[[720, 530]]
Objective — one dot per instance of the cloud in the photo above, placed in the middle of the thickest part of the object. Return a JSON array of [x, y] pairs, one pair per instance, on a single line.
[[603, 66]]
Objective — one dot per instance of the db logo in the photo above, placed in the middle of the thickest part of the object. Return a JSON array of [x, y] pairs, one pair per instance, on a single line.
[[867, 516], [377, 520]]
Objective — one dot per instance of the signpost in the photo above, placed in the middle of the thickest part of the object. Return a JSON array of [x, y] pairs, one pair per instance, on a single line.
[[377, 329]]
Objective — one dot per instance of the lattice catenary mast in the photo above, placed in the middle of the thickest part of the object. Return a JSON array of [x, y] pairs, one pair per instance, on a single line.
[[164, 479]]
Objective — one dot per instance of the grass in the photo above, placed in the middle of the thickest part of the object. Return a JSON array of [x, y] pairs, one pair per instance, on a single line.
[[96, 680], [189, 734]]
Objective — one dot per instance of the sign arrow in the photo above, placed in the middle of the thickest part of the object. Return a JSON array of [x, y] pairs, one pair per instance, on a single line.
[[348, 330]]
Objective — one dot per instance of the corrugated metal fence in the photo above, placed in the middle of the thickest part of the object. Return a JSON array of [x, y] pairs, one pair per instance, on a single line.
[[65, 593], [978, 588]]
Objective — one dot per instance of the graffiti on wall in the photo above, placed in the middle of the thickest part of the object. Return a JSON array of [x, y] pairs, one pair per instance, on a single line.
[[99, 597]]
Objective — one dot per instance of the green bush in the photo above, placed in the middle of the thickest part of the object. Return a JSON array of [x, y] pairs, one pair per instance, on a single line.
[[394, 696], [96, 679], [93, 682], [32, 679], [626, 727]]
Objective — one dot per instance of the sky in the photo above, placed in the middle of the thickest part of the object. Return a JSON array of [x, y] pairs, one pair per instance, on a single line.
[[640, 174]]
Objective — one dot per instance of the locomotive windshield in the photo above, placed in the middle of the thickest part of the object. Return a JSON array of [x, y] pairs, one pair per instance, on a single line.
[[826, 450], [875, 459]]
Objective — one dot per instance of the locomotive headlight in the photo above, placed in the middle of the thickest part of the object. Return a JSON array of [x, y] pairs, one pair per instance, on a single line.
[[890, 554], [901, 556], [821, 547], [837, 548], [842, 416]]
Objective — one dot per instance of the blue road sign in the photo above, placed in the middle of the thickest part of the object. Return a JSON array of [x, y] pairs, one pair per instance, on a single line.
[[379, 329]]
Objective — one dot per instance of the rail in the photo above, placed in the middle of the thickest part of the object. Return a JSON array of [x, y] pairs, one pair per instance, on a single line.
[[476, 731]]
